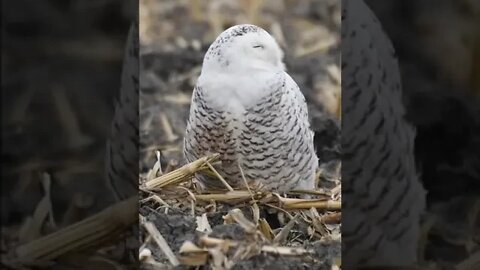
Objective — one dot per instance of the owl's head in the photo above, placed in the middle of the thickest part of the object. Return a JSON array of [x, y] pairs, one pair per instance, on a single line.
[[244, 47]]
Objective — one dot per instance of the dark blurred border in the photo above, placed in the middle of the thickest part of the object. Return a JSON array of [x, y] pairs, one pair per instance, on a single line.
[[437, 44], [61, 69]]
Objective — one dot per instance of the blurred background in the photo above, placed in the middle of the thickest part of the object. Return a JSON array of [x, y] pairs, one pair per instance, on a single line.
[[61, 66]]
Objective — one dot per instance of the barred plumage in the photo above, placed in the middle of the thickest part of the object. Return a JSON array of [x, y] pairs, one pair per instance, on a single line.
[[382, 196], [122, 145], [248, 109]]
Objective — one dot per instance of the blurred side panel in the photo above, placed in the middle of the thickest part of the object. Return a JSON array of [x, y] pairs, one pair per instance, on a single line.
[[383, 198], [62, 65], [438, 44]]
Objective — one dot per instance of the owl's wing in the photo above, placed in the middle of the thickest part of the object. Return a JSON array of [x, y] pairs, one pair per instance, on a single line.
[[209, 130], [192, 141], [299, 134], [382, 197], [299, 101], [122, 145]]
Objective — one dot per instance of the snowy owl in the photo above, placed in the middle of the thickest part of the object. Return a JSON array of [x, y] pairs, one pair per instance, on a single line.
[[382, 196], [249, 110]]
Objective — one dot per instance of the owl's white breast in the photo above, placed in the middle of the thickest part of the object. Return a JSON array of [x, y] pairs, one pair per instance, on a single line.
[[234, 92]]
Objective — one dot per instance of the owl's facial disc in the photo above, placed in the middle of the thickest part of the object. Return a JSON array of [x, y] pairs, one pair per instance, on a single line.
[[244, 47], [256, 50]]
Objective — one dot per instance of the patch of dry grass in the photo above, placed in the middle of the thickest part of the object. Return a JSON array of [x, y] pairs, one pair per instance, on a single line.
[[176, 190]]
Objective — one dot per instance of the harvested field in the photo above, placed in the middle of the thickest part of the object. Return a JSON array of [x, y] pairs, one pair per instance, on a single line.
[[241, 228]]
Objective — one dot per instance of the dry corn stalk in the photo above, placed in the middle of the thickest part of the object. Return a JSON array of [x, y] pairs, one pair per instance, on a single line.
[[238, 196], [93, 231], [181, 174], [238, 216], [191, 254], [291, 203], [235, 196], [265, 229], [281, 237], [161, 242]]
